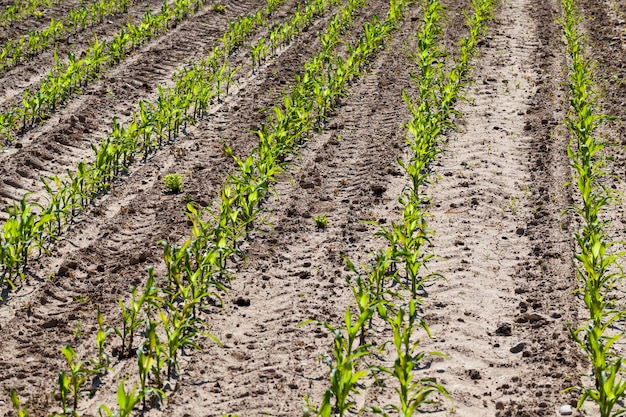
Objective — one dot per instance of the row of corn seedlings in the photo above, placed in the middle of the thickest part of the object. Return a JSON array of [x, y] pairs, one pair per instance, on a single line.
[[33, 225], [597, 266], [22, 9], [349, 342], [36, 41], [168, 314], [64, 79], [401, 263]]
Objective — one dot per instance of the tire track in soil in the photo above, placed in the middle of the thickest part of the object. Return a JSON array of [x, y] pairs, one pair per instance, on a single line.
[[110, 247], [294, 272], [66, 138], [501, 314]]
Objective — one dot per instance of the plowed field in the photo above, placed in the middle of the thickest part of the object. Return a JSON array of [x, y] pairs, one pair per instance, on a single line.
[[501, 231]]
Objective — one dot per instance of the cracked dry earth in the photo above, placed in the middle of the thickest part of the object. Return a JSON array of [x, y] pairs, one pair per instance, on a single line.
[[502, 241]]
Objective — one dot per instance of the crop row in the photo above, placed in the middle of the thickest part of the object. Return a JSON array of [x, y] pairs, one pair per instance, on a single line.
[[66, 78], [399, 265], [36, 41], [597, 261]]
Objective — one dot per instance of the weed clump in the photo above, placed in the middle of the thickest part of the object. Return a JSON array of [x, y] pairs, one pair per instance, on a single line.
[[173, 183]]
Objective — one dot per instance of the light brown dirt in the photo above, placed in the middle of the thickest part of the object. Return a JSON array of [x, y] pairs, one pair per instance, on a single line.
[[499, 235]]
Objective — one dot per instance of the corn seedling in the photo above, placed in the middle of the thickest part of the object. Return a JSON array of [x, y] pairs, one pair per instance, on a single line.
[[132, 317], [366, 293], [181, 330], [103, 361], [321, 221], [344, 372], [21, 411], [126, 402], [64, 390], [146, 362], [412, 393], [74, 380], [155, 349]]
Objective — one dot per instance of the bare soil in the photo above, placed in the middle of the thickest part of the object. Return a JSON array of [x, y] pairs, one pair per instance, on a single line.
[[501, 233]]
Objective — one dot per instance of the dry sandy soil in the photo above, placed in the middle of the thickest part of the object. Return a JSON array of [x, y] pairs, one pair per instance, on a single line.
[[501, 236]]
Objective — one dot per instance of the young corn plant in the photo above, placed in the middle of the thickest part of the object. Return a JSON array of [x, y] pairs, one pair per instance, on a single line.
[[73, 381], [103, 361], [345, 363], [146, 362], [15, 401], [412, 392], [155, 349], [132, 317], [181, 330], [368, 293], [64, 383], [126, 402], [597, 266]]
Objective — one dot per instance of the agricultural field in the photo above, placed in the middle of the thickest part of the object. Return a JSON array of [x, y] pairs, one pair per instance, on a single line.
[[312, 208]]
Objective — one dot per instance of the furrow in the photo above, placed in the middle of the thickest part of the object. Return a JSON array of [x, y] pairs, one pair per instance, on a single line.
[[486, 316]]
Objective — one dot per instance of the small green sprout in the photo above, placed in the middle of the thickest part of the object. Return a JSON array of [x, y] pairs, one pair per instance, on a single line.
[[173, 183], [219, 8], [21, 411], [79, 329], [321, 221], [81, 299]]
